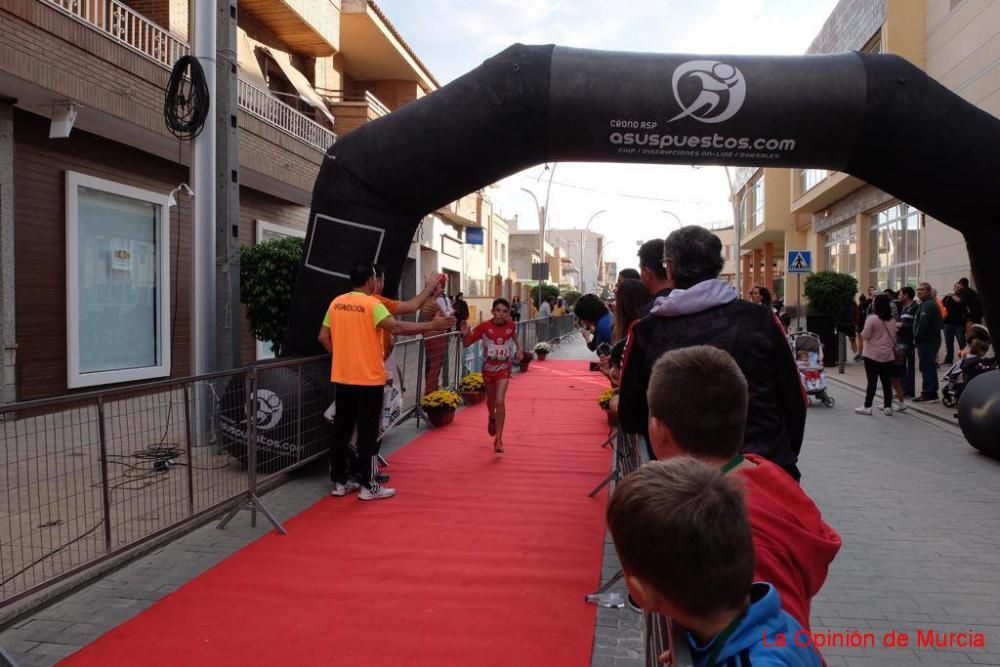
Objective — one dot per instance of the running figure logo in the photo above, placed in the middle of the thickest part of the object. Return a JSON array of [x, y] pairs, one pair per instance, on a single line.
[[721, 90], [269, 409]]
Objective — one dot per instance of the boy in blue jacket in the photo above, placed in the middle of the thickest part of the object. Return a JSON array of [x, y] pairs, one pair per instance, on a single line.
[[684, 541]]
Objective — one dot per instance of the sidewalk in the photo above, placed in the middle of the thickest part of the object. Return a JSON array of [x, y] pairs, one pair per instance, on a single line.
[[854, 376]]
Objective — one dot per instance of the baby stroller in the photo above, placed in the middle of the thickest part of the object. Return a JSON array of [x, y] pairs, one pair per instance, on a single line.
[[808, 353], [960, 374]]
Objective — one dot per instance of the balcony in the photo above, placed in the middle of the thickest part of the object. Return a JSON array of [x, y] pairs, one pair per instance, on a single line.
[[463, 212], [353, 109], [308, 26], [133, 31], [811, 195]]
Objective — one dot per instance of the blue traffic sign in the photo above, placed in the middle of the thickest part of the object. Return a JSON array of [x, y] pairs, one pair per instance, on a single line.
[[474, 236], [799, 261]]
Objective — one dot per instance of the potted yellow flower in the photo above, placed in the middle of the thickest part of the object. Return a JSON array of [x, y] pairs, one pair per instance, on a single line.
[[473, 388], [606, 400], [440, 406]]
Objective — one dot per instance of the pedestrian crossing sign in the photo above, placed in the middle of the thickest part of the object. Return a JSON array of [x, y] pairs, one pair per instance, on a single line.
[[799, 261]]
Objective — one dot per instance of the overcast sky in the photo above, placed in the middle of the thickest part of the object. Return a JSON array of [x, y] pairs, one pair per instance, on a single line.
[[455, 36]]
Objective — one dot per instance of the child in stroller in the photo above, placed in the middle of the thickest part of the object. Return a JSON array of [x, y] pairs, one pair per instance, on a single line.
[[809, 358], [974, 363]]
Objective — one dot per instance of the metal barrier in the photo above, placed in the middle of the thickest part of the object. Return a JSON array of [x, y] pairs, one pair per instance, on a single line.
[[87, 477], [661, 633]]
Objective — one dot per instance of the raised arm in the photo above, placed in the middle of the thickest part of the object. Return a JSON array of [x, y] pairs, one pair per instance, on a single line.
[[401, 328], [417, 302]]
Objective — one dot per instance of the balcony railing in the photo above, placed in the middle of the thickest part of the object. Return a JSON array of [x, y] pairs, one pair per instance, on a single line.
[[127, 27], [259, 103], [136, 32], [344, 97]]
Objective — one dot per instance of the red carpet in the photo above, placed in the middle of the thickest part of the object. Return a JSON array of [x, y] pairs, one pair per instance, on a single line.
[[479, 560]]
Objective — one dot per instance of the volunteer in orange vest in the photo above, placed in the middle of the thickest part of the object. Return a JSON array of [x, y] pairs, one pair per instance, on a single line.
[[351, 332]]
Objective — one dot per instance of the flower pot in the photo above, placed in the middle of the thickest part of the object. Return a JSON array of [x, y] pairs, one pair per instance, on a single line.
[[440, 417], [541, 355], [473, 397]]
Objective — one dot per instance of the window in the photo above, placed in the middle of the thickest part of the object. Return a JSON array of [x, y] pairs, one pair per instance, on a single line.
[[503, 252], [841, 250], [117, 277], [894, 239], [874, 45], [810, 178], [757, 212], [268, 231]]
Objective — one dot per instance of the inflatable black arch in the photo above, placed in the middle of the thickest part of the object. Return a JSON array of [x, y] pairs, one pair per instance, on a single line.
[[876, 117]]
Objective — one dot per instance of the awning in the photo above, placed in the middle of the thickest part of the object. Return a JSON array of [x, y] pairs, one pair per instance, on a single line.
[[298, 80], [247, 60]]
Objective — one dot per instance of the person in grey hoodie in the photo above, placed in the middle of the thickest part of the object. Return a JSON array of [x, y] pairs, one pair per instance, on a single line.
[[703, 310]]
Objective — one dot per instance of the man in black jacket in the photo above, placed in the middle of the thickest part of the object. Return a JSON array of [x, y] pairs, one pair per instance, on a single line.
[[703, 310]]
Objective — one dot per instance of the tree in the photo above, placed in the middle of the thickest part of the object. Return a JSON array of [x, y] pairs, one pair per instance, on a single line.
[[571, 297], [267, 276], [828, 291], [548, 290]]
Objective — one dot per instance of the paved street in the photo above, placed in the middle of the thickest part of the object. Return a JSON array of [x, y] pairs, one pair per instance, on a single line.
[[915, 505]]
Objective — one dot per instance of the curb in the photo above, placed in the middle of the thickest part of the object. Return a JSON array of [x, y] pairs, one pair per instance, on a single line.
[[909, 406]]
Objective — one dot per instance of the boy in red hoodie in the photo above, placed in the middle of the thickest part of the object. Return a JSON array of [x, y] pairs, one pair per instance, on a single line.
[[697, 407]]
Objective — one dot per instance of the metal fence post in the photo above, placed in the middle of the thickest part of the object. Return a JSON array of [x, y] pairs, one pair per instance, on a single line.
[[842, 351], [105, 485], [421, 360], [188, 438]]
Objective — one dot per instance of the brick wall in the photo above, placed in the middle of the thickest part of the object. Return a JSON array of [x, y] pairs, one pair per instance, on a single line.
[[849, 27]]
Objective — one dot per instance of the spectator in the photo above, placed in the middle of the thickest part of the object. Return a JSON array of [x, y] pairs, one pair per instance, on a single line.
[[927, 337], [863, 306], [436, 348], [651, 272], [699, 570], [879, 334], [973, 304], [847, 325], [904, 339], [703, 310], [350, 333], [956, 314], [793, 546], [559, 310], [596, 320], [631, 299], [545, 309], [762, 297], [461, 309], [974, 332], [626, 274], [515, 309]]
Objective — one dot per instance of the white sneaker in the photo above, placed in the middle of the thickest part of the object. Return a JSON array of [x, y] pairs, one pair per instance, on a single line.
[[863, 411], [383, 492], [887, 411], [900, 406], [340, 490]]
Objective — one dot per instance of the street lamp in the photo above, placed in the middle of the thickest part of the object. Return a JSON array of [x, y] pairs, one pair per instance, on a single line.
[[600, 259], [543, 212], [675, 216], [583, 244]]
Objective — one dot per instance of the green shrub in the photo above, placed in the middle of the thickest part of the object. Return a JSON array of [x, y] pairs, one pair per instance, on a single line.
[[828, 291], [267, 276]]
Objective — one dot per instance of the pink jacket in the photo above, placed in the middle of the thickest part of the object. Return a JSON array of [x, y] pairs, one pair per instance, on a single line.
[[880, 338]]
